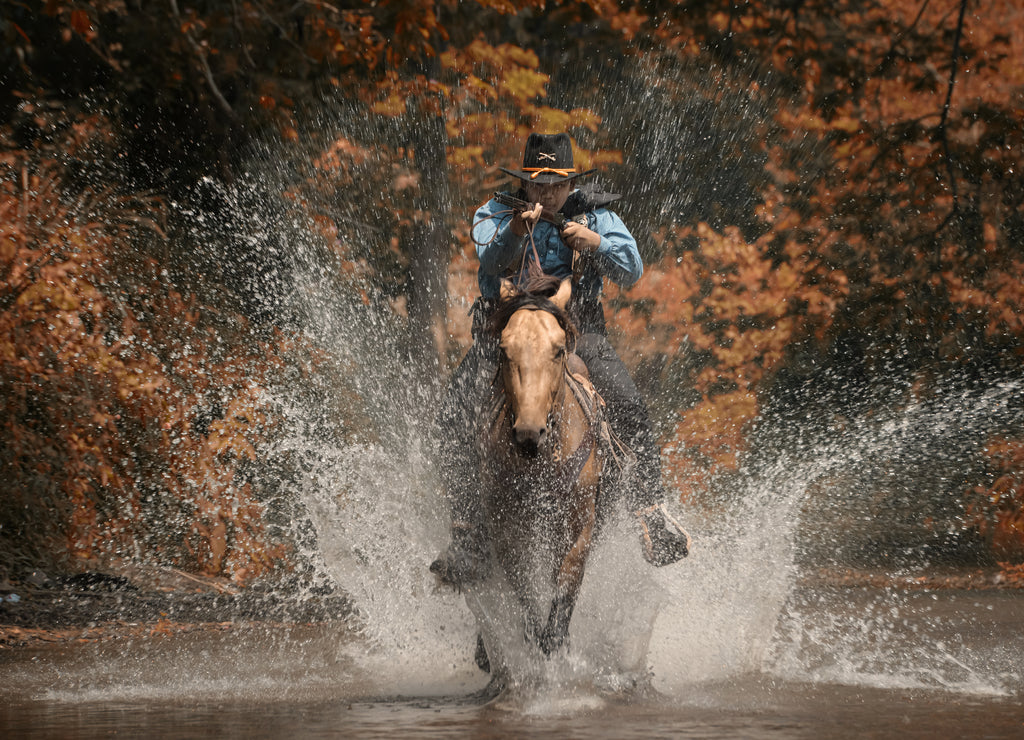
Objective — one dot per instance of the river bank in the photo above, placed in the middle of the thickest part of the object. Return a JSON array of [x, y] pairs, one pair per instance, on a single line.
[[96, 606]]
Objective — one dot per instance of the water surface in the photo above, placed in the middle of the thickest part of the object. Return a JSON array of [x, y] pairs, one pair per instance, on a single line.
[[843, 663]]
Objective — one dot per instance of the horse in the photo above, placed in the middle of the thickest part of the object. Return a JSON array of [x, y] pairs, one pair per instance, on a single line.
[[541, 458]]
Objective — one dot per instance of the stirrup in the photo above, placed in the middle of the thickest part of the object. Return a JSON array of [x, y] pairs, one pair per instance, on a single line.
[[664, 539]]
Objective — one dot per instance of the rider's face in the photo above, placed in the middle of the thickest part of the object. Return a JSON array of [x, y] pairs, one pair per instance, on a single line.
[[550, 195]]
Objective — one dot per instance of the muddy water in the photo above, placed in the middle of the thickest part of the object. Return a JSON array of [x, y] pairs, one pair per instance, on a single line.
[[787, 712], [844, 663]]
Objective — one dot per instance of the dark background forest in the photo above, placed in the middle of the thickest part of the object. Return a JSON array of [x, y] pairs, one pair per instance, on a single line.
[[828, 197]]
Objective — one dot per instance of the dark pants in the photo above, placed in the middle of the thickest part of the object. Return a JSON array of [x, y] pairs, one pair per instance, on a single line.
[[469, 389]]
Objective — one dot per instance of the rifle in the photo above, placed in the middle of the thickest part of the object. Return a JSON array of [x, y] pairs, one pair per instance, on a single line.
[[519, 205]]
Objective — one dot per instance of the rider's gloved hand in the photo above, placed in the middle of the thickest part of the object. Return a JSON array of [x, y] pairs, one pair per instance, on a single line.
[[580, 238], [524, 221]]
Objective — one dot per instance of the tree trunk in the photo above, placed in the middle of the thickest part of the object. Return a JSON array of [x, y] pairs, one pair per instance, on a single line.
[[428, 293]]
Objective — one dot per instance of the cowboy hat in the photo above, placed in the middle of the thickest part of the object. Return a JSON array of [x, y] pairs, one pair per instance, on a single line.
[[547, 158]]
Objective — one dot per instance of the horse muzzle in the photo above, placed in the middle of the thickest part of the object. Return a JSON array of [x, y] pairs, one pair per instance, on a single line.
[[529, 439]]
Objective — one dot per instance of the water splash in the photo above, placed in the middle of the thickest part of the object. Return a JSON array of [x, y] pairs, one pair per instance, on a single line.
[[735, 608], [732, 609], [890, 637]]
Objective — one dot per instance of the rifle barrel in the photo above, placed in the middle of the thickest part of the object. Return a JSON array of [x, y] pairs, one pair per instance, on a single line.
[[520, 205]]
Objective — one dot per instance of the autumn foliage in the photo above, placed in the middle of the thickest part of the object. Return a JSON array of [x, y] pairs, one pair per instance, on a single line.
[[893, 210], [802, 178], [728, 299], [125, 434], [998, 508]]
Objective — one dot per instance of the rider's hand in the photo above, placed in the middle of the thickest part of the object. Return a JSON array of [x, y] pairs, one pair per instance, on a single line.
[[580, 238], [525, 221]]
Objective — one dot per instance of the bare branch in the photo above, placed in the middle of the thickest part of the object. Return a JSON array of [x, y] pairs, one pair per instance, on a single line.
[[241, 36], [207, 72], [943, 121]]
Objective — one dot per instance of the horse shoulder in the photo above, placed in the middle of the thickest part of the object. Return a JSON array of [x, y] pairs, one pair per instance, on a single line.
[[579, 423]]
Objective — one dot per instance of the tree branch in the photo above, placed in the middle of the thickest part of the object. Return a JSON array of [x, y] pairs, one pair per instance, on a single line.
[[890, 55], [944, 120], [207, 72]]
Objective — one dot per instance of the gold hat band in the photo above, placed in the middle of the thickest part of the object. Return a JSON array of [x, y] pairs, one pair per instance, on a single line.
[[540, 170]]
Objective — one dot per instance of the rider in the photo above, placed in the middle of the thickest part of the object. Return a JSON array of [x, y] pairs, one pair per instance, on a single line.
[[603, 247]]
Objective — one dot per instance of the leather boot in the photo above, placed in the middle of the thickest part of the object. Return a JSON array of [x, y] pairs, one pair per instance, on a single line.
[[465, 561], [663, 538]]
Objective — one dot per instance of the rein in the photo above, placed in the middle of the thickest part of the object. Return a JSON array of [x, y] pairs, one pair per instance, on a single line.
[[572, 467], [533, 245]]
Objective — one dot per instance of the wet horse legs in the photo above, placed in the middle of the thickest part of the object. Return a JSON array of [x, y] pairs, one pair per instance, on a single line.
[[569, 579]]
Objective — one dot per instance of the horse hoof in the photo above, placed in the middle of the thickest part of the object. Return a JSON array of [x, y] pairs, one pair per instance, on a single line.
[[480, 656]]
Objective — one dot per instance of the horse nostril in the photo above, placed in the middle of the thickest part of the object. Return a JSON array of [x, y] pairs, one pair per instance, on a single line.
[[524, 436], [528, 441]]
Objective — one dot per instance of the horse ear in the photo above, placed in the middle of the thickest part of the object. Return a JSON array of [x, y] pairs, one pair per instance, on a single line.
[[561, 297], [507, 291]]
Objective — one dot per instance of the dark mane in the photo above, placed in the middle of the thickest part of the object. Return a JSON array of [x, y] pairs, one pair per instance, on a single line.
[[536, 296]]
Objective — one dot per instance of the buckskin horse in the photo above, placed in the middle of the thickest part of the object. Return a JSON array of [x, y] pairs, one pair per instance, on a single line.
[[541, 458]]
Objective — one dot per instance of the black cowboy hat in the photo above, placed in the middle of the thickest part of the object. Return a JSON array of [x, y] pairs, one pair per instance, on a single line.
[[547, 158]]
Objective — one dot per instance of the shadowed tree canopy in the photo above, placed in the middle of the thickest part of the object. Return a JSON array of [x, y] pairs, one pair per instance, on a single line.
[[823, 192]]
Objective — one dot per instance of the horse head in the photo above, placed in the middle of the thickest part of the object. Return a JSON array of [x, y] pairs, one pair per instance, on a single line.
[[534, 338]]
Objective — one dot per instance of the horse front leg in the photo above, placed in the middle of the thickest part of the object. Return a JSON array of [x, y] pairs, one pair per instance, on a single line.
[[569, 579]]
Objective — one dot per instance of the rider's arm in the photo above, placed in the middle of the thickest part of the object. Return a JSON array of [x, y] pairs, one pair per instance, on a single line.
[[497, 246], [617, 256]]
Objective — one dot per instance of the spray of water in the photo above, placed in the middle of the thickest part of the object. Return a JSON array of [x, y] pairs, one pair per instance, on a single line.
[[731, 609], [736, 607]]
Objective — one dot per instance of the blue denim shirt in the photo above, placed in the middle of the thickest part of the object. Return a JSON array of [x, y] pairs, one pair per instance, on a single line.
[[500, 251]]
